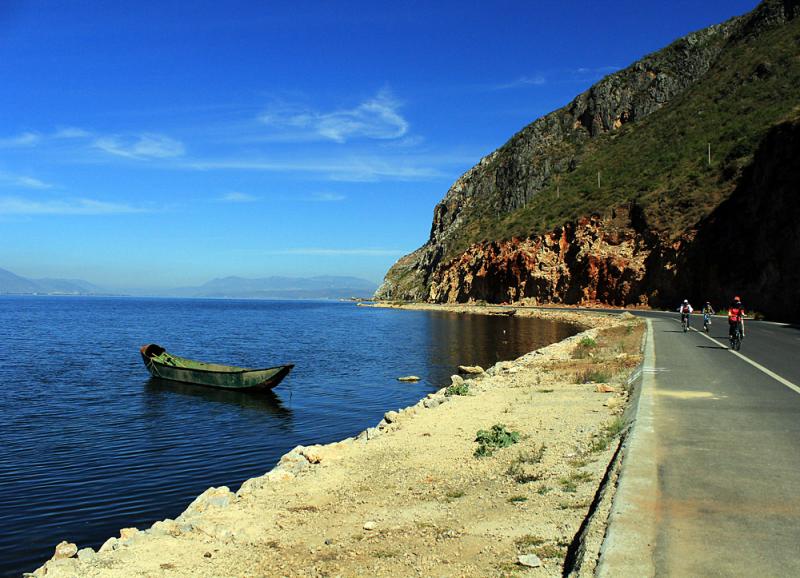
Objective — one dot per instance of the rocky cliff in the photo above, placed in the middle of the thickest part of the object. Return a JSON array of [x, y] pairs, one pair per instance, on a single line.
[[750, 244], [528, 222]]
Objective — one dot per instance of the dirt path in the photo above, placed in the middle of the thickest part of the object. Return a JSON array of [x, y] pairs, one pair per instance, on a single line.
[[409, 497]]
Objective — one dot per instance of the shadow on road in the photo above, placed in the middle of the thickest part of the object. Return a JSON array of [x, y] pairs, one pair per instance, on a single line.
[[712, 347]]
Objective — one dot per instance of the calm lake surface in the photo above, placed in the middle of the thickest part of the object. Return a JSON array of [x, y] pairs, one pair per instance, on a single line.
[[90, 444]]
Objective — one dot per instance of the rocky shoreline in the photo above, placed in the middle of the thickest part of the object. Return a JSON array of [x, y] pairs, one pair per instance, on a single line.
[[493, 475]]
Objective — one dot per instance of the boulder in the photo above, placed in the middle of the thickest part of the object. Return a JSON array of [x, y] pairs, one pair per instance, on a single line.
[[110, 544], [408, 378], [86, 554], [529, 560], [211, 498], [127, 533], [471, 369], [65, 550]]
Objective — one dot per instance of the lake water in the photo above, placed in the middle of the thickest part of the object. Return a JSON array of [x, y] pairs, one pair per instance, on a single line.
[[90, 444]]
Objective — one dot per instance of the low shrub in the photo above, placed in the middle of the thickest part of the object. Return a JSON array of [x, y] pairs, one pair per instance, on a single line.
[[584, 348], [457, 389], [496, 438]]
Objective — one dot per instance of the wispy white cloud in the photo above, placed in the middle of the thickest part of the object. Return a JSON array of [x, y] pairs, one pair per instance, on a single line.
[[30, 138], [21, 206], [357, 169], [326, 197], [144, 146], [7, 179], [25, 139], [237, 197], [375, 118], [71, 132], [522, 81], [337, 252]]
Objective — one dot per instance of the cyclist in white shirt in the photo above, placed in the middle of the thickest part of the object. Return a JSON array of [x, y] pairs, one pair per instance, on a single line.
[[685, 309]]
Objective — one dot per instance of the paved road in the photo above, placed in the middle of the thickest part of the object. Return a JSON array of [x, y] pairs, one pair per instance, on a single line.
[[716, 487]]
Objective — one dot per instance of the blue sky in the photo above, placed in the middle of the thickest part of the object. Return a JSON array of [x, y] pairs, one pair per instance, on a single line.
[[157, 144]]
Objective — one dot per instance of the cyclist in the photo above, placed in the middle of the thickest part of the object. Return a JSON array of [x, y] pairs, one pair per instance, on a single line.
[[708, 311], [736, 317], [685, 309]]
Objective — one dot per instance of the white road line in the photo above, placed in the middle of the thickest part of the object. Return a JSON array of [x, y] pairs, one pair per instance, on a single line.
[[758, 366]]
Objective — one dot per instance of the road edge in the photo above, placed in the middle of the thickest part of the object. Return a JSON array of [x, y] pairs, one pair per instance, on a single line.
[[629, 544]]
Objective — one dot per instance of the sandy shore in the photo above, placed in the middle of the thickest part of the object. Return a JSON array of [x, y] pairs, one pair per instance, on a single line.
[[409, 497]]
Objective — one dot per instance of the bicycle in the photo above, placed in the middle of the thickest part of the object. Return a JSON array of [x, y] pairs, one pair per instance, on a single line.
[[706, 322], [685, 322], [736, 338]]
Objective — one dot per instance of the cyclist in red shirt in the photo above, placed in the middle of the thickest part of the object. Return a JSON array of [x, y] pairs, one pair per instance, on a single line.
[[736, 316]]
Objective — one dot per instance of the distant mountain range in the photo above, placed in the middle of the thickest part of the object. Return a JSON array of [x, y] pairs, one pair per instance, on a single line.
[[320, 287], [11, 283]]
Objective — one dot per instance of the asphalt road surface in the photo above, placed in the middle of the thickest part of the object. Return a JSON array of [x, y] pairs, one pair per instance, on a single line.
[[722, 433]]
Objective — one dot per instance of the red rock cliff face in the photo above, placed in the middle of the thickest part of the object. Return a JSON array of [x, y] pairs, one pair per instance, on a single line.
[[591, 261]]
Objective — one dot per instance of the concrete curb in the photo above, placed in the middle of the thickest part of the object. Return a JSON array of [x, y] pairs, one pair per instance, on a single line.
[[630, 539]]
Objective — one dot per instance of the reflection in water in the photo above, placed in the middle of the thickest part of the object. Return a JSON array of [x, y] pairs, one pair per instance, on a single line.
[[263, 401], [461, 339]]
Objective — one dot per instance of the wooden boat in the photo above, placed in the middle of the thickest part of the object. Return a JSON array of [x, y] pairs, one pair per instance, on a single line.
[[167, 366]]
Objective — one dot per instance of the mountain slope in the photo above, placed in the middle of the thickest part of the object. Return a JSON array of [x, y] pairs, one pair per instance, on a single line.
[[11, 283], [320, 287], [632, 154]]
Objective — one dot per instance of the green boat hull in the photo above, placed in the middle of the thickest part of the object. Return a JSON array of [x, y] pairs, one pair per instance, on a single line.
[[167, 366]]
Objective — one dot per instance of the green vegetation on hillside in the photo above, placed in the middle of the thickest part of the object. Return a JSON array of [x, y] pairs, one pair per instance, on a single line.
[[661, 162]]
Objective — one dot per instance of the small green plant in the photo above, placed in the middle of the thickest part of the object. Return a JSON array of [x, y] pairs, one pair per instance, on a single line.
[[615, 427], [517, 499], [593, 376], [550, 551], [457, 389], [520, 475], [584, 348], [527, 541], [578, 462], [532, 457], [608, 433], [546, 390], [454, 494], [580, 476], [544, 490], [568, 485], [496, 438]]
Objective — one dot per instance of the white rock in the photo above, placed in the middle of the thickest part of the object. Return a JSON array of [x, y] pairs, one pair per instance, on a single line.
[[408, 378], [65, 550], [110, 544], [370, 525], [530, 560], [472, 369]]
